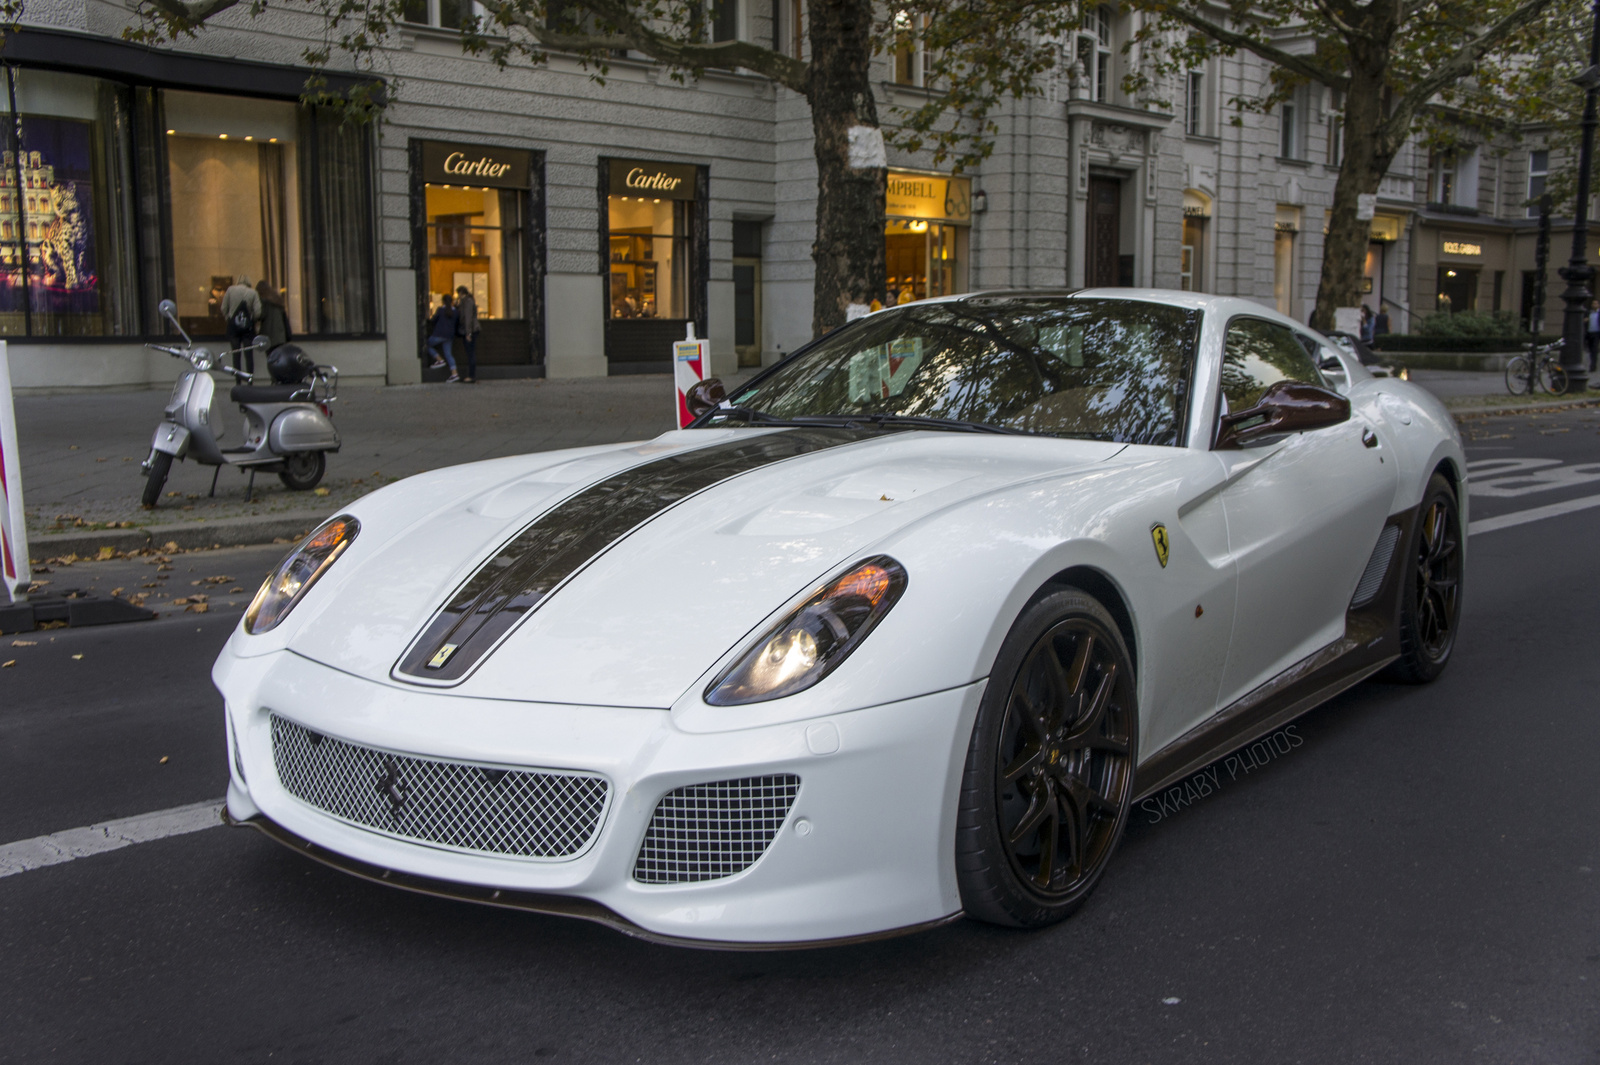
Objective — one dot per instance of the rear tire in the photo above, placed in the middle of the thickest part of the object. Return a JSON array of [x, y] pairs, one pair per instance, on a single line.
[[1050, 770], [1554, 379], [1517, 376], [160, 466], [303, 470], [1430, 592]]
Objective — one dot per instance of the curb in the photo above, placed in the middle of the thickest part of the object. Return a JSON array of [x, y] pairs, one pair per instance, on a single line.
[[1523, 408], [225, 532]]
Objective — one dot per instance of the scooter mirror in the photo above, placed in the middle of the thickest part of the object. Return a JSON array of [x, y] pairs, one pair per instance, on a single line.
[[167, 308], [262, 341]]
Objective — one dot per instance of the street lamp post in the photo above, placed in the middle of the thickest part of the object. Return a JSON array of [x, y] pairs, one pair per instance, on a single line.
[[1578, 272]]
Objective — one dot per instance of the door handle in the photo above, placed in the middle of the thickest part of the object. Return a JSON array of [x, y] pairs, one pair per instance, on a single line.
[[1369, 438]]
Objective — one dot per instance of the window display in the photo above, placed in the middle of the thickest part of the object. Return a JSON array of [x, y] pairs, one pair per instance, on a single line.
[[474, 242]]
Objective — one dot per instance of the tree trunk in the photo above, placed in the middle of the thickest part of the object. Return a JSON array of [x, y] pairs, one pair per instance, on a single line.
[[1366, 160], [852, 175]]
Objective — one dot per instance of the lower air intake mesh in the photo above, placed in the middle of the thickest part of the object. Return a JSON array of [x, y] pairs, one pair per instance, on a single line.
[[1377, 566], [707, 831], [527, 813]]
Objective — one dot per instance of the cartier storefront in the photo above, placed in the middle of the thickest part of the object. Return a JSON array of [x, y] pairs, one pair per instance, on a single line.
[[477, 219], [654, 256]]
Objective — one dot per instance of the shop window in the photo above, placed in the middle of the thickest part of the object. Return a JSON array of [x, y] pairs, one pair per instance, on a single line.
[[650, 257], [233, 171], [339, 240], [655, 247], [475, 241], [1192, 253], [66, 217], [1458, 289], [925, 238], [1538, 174]]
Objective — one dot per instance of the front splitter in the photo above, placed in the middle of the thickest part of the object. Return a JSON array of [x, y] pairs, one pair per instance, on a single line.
[[538, 902]]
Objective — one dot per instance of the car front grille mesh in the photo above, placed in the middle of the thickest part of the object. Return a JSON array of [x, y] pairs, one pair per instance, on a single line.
[[526, 813], [708, 831]]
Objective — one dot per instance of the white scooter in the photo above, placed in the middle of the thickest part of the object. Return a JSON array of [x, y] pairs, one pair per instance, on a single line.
[[288, 425]]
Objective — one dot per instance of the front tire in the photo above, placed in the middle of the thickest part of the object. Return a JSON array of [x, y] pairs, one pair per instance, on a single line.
[[1050, 770], [160, 466], [303, 470], [1430, 604], [1517, 381], [1554, 379]]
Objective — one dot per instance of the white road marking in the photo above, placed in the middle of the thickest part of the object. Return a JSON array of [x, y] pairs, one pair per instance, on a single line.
[[73, 843], [1522, 517]]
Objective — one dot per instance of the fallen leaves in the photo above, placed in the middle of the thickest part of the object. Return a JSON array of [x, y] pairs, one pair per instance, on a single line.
[[8, 665], [77, 658], [198, 608], [106, 553], [163, 760], [319, 491], [24, 643], [235, 591]]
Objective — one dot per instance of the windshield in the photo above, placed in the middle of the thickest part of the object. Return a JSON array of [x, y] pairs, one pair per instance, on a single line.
[[1104, 369]]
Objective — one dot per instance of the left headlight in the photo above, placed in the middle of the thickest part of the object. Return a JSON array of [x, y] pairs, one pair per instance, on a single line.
[[808, 644], [296, 574]]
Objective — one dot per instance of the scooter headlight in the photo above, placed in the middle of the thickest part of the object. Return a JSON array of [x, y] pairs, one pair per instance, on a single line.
[[808, 644], [202, 359], [296, 574]]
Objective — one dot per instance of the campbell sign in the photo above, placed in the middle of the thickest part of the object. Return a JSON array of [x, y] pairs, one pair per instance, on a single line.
[[475, 164], [656, 181]]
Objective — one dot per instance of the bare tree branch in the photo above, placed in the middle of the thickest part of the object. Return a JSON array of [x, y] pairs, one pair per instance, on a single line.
[[1297, 64]]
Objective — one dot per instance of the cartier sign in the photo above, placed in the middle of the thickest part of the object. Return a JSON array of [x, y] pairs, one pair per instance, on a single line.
[[656, 181], [475, 164]]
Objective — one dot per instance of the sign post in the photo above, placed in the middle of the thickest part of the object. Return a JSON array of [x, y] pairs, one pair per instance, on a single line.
[[691, 363], [14, 568]]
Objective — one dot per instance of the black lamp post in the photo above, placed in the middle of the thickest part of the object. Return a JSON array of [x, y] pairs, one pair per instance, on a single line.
[[1578, 272]]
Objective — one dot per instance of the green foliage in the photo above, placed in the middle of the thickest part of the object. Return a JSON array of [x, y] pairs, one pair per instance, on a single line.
[[1499, 324]]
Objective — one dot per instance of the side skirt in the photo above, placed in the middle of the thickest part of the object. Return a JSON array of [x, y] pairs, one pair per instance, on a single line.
[[537, 902], [1371, 641]]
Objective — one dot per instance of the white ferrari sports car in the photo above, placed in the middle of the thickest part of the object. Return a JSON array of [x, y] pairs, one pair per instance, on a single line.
[[898, 631]]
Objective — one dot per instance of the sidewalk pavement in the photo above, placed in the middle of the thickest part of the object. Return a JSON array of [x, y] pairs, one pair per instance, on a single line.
[[81, 454]]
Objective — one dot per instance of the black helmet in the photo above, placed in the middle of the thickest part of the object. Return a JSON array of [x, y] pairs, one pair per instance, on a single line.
[[289, 364]]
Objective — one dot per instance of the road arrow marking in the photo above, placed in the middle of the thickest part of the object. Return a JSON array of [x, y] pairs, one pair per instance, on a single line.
[[1522, 517]]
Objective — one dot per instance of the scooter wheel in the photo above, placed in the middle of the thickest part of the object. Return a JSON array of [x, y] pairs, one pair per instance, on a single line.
[[160, 466], [302, 470]]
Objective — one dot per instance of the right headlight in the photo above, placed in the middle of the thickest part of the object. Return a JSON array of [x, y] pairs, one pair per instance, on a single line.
[[811, 641], [296, 574]]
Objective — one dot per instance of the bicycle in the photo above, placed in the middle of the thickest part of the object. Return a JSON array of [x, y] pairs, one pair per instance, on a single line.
[[1540, 368]]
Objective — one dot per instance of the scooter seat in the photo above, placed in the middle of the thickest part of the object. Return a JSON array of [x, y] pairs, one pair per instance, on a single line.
[[266, 393]]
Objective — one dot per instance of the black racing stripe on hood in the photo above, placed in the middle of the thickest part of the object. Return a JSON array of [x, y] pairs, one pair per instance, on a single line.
[[560, 541]]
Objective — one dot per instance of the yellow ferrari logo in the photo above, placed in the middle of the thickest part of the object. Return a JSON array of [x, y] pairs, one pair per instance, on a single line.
[[443, 656], [1158, 534]]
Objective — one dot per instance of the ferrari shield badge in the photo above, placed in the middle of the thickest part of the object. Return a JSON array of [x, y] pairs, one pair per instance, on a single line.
[[1158, 534]]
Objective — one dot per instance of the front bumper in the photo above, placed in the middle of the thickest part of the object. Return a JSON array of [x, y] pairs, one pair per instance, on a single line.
[[866, 849]]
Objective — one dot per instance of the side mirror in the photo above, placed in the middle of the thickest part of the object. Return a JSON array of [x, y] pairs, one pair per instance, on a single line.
[[1285, 408], [167, 308], [704, 396], [262, 342]]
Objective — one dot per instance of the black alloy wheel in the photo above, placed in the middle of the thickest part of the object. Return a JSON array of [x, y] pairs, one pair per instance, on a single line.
[[302, 470], [1050, 773], [1430, 608]]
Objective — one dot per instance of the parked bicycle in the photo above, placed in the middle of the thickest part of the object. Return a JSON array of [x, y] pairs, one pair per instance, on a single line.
[[1540, 368]]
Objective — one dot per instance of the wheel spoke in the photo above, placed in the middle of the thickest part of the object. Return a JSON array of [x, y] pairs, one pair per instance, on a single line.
[[1076, 822], [1047, 847], [1090, 724], [1039, 804], [1022, 708], [1081, 658], [1022, 765]]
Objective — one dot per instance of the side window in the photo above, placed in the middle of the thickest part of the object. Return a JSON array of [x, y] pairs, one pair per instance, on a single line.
[[1257, 354]]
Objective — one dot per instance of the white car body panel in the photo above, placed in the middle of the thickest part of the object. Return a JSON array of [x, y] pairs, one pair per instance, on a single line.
[[608, 673]]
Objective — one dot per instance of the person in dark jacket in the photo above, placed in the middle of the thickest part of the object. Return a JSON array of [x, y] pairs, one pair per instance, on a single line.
[[274, 316], [467, 326], [442, 336]]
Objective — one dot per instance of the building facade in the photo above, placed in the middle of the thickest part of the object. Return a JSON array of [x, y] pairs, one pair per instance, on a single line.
[[593, 224]]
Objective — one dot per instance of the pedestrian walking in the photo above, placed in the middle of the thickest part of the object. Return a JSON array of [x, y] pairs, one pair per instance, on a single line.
[[241, 310], [442, 336], [274, 316], [467, 329], [1366, 324]]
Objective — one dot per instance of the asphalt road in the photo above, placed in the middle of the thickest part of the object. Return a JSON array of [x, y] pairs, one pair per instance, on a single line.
[[1416, 880]]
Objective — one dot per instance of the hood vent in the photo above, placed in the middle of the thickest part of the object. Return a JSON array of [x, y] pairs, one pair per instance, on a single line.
[[561, 541]]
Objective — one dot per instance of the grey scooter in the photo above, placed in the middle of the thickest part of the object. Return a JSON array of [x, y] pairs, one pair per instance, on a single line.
[[288, 428]]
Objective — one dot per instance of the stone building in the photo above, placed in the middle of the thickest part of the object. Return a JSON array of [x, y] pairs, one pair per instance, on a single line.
[[593, 223]]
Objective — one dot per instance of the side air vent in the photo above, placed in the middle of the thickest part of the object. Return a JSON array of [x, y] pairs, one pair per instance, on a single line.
[[1377, 566], [709, 831]]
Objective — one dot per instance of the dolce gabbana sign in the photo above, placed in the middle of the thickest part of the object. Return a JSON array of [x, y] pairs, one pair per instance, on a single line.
[[656, 181], [475, 164]]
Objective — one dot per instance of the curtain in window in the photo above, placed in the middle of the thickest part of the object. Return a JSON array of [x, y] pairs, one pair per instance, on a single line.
[[274, 242], [336, 179], [151, 191]]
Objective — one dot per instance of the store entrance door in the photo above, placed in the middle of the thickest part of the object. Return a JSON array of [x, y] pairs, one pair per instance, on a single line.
[[1458, 289], [1103, 235]]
